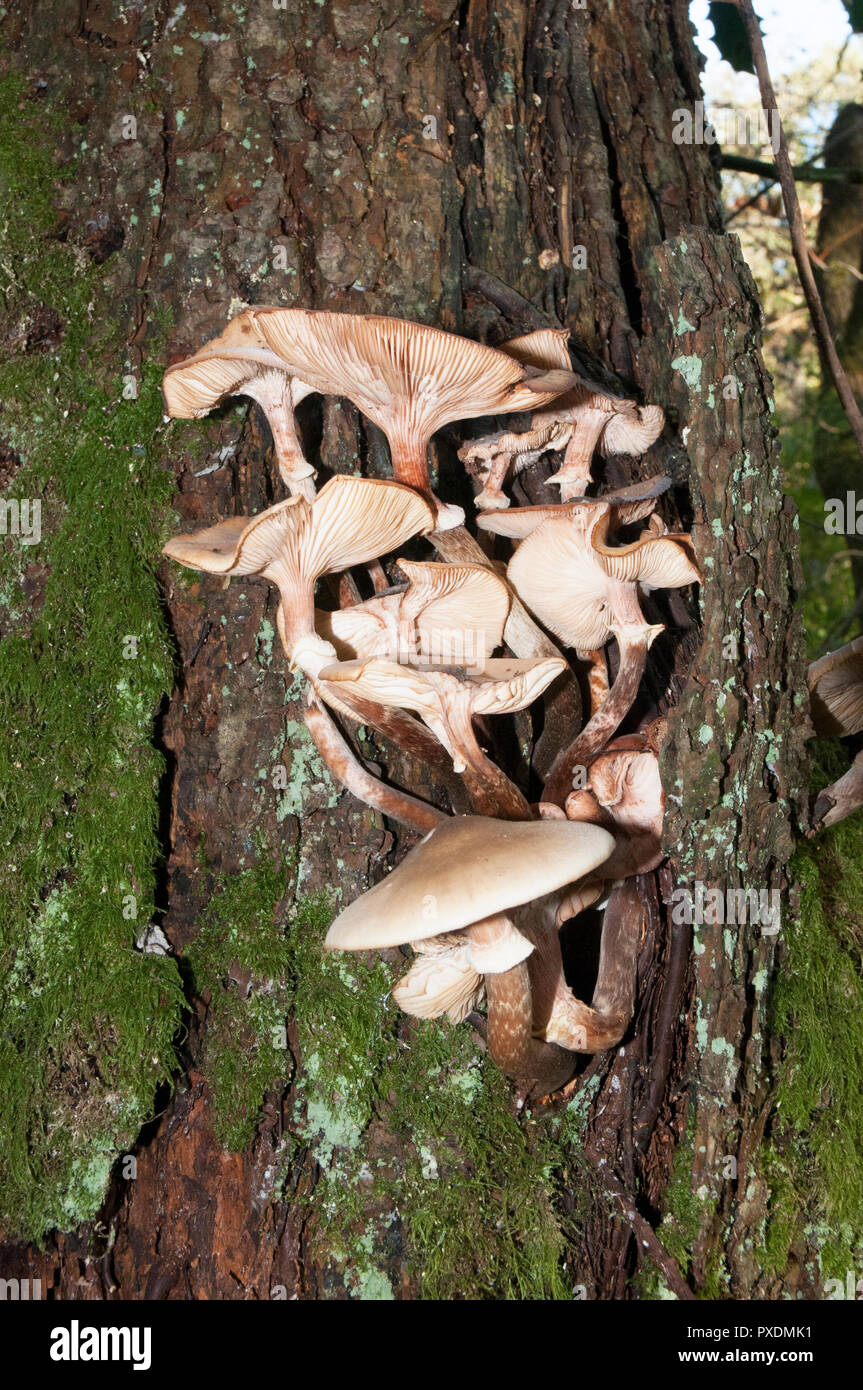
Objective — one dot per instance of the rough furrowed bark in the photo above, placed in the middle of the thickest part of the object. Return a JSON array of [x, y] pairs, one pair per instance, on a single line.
[[348, 157]]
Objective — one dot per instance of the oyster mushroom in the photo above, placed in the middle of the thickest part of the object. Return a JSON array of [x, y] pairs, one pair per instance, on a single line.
[[239, 363], [836, 690], [586, 591], [628, 504], [410, 379], [465, 879], [591, 416], [295, 542]]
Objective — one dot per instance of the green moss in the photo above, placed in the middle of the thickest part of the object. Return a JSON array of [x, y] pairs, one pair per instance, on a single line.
[[88, 1021], [240, 962], [814, 1160], [418, 1140], [681, 1223]]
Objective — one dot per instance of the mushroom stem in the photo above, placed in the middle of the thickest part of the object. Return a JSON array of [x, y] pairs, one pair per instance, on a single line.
[[614, 995], [492, 497], [410, 466], [273, 394], [511, 1044], [573, 476], [409, 734], [490, 790], [557, 1012], [344, 765], [633, 640], [597, 678], [304, 648], [495, 795]]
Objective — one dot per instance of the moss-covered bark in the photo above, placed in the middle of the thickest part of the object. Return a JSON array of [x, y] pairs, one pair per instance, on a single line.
[[485, 168]]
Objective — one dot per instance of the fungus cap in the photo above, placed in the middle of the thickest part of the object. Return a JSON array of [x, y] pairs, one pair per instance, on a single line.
[[443, 984], [198, 384], [836, 690], [408, 378], [468, 868], [350, 521], [628, 504], [565, 573]]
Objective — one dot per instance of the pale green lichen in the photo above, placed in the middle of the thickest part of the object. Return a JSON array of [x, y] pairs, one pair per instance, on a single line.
[[690, 369]]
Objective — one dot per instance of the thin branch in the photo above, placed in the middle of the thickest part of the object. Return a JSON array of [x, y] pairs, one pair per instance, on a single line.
[[804, 173], [797, 230]]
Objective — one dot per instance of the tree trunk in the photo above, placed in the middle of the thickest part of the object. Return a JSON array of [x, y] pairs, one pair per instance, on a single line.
[[486, 169]]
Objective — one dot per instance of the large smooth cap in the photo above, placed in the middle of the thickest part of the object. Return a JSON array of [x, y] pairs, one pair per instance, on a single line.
[[468, 868]]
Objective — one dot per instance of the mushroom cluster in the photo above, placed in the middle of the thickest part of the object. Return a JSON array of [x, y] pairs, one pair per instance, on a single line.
[[458, 634]]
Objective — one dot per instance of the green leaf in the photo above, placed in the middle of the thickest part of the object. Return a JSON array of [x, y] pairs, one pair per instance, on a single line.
[[729, 34]]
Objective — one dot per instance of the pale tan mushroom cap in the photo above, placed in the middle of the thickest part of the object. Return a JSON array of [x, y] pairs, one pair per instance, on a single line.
[[454, 615], [242, 545], [633, 431], [557, 574], [365, 629], [630, 429], [628, 785], [197, 385], [501, 686], [836, 690], [563, 571], [441, 984], [353, 515], [352, 520], [627, 504], [448, 976], [455, 605], [408, 378], [653, 561], [542, 349], [468, 868]]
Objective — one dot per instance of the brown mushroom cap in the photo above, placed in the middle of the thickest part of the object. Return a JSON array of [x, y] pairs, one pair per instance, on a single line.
[[468, 868], [836, 690]]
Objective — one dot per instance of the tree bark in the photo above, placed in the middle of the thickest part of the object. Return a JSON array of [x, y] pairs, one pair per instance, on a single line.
[[458, 165]]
